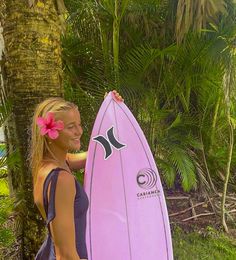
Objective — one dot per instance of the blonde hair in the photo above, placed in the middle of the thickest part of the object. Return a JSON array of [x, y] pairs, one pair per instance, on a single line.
[[39, 143]]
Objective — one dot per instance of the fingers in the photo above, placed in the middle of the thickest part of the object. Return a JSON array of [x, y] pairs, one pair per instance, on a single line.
[[118, 96]]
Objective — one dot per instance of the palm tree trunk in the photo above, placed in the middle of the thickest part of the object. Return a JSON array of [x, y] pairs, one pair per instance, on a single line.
[[119, 10], [228, 82], [116, 36], [33, 72], [213, 129], [229, 160]]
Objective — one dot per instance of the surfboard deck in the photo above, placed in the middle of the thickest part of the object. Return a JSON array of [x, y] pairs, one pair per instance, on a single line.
[[127, 217]]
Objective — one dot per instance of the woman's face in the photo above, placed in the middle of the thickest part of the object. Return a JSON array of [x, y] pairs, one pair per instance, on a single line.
[[69, 137]]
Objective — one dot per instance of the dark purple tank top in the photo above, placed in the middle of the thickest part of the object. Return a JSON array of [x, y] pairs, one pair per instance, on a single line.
[[47, 250]]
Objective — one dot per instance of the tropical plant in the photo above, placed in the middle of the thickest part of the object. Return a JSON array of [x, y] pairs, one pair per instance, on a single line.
[[174, 91], [197, 15]]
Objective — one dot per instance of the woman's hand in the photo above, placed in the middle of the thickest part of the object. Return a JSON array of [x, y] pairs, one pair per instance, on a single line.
[[117, 96]]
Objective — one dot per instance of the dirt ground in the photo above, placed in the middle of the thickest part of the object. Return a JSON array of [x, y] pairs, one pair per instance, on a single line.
[[194, 212]]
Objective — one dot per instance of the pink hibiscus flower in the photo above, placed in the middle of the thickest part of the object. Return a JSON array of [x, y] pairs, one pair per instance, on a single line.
[[49, 126]]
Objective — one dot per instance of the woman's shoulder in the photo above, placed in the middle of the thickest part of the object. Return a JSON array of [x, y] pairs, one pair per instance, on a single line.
[[65, 185], [44, 171], [64, 174], [64, 178], [47, 169]]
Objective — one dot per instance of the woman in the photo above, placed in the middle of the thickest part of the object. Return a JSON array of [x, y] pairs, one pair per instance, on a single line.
[[61, 200]]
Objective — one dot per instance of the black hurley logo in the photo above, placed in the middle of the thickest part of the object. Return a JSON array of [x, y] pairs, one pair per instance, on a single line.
[[108, 142]]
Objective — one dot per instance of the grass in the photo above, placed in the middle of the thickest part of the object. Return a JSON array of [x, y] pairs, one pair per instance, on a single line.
[[210, 245]]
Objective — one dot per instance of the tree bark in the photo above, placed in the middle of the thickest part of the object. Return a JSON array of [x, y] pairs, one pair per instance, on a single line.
[[33, 72]]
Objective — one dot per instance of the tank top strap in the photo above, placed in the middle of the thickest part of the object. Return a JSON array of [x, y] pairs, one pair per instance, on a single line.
[[49, 203]]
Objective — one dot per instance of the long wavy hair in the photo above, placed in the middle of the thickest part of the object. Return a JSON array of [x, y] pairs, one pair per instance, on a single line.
[[39, 143]]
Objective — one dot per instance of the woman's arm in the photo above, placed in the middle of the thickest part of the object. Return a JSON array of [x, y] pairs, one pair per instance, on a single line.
[[76, 161], [62, 226]]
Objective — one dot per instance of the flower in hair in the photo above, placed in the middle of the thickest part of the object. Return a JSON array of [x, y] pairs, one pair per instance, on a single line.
[[49, 126]]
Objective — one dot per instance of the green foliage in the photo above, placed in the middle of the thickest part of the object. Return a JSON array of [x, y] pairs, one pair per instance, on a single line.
[[79, 176], [4, 187], [175, 91], [211, 245], [6, 207]]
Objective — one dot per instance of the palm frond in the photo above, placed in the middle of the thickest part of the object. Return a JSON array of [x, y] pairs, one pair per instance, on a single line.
[[168, 172], [184, 167]]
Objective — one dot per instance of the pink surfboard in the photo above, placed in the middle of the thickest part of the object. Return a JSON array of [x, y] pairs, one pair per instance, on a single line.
[[127, 217]]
